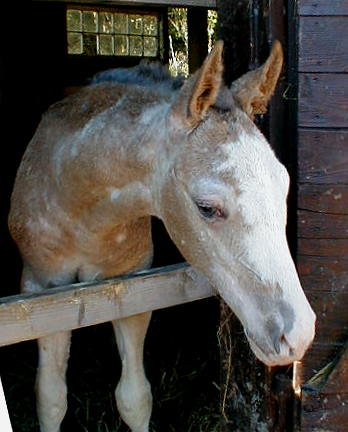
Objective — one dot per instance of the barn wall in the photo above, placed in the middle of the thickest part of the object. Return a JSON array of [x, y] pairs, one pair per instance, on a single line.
[[322, 198]]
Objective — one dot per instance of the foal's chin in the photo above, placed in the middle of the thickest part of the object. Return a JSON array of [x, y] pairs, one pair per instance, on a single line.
[[285, 356]]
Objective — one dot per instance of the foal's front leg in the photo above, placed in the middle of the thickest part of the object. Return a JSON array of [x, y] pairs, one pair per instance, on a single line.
[[133, 392], [51, 389]]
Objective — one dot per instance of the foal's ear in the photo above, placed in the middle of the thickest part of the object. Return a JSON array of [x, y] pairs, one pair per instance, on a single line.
[[207, 85], [201, 90], [254, 89]]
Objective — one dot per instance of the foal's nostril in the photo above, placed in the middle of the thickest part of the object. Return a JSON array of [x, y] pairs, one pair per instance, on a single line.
[[282, 341]]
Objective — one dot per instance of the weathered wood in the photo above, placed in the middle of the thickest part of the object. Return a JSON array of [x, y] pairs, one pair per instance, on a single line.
[[320, 37], [322, 273], [28, 316], [211, 4], [325, 397], [324, 413], [197, 24], [323, 156], [316, 358], [332, 317], [323, 247], [323, 100], [234, 29], [323, 198], [323, 7], [322, 225]]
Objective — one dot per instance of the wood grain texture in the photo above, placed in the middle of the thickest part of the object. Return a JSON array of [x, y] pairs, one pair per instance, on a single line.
[[325, 397], [323, 7], [323, 156], [180, 3], [323, 100], [317, 357], [323, 273], [322, 45], [28, 316], [321, 225], [332, 317], [332, 248], [323, 198]]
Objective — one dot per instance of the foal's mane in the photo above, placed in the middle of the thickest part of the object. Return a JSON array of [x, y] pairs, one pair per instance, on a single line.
[[145, 74]]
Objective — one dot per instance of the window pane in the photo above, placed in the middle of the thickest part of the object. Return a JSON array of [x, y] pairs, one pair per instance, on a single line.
[[121, 23], [121, 45], [135, 45], [150, 25], [150, 46], [90, 21], [106, 45], [135, 24], [74, 20], [74, 43], [106, 22], [90, 44]]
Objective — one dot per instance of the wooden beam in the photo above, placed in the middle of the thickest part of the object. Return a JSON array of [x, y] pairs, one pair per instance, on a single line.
[[210, 4], [29, 316], [197, 23]]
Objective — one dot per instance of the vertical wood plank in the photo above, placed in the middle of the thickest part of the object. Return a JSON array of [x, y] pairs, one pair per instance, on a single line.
[[197, 23]]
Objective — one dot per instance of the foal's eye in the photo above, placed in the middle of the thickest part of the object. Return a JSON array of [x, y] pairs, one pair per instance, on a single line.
[[210, 211]]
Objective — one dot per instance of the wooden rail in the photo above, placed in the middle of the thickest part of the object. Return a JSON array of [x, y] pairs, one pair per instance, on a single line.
[[29, 316]]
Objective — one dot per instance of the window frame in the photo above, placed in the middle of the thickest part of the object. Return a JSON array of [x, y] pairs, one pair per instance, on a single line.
[[161, 29]]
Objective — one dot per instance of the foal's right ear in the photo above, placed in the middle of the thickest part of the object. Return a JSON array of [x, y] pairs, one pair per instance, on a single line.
[[201, 90]]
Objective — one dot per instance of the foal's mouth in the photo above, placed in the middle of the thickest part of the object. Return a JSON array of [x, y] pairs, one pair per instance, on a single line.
[[271, 357], [253, 343]]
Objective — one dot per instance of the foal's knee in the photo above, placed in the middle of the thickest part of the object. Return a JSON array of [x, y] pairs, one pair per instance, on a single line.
[[134, 402]]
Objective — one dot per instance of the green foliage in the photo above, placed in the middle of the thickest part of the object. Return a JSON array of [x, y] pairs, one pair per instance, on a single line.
[[178, 38]]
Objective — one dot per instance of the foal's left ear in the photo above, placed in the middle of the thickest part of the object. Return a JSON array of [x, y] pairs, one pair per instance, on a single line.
[[254, 89]]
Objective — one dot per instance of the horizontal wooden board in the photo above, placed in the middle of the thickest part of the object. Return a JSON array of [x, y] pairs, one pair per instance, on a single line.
[[333, 248], [325, 274], [321, 225], [323, 100], [180, 3], [332, 317], [322, 47], [323, 7], [323, 156], [323, 198], [29, 316]]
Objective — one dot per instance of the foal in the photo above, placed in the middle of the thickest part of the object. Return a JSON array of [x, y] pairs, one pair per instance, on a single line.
[[134, 144]]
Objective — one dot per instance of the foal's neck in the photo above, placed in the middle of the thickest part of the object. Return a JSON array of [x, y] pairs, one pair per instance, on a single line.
[[129, 160]]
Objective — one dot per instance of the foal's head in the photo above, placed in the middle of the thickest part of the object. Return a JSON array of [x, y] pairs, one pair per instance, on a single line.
[[223, 201]]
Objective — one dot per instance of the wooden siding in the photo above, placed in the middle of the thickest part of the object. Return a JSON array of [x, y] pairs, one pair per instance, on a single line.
[[319, 38], [322, 224], [323, 100], [323, 7]]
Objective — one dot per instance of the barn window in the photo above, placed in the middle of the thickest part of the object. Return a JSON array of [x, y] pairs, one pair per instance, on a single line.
[[105, 32]]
